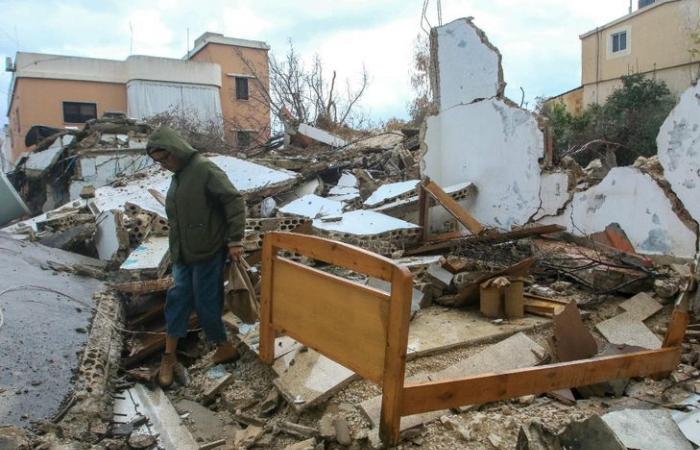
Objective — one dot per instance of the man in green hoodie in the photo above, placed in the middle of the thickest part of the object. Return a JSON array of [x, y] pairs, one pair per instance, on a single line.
[[207, 221]]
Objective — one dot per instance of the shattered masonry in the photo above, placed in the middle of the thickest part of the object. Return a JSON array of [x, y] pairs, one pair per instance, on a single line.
[[561, 251]]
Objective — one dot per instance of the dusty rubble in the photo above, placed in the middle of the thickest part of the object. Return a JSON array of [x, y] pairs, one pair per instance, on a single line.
[[517, 261]]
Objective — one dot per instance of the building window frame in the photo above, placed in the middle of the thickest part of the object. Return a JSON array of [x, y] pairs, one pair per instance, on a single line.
[[79, 115], [614, 36], [242, 88]]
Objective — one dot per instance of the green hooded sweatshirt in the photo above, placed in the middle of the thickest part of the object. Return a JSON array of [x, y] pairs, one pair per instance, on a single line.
[[205, 211]]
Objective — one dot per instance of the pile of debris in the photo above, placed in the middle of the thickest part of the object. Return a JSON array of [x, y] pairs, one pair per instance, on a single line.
[[516, 262]]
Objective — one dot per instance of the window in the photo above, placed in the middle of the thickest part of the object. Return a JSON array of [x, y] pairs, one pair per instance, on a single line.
[[619, 41], [241, 88], [243, 139], [74, 112]]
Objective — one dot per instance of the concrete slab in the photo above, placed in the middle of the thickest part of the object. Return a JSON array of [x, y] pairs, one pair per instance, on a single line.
[[13, 206], [641, 306], [313, 206], [147, 256], [626, 328], [392, 191], [164, 421], [363, 223], [689, 422], [649, 429], [458, 328], [43, 332]]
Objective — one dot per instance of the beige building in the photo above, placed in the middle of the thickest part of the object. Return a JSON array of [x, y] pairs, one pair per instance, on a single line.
[[222, 79], [655, 40]]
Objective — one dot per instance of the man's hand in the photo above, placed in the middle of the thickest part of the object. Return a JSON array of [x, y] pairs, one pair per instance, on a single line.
[[235, 253]]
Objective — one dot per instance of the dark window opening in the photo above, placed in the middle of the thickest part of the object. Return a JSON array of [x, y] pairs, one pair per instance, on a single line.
[[241, 88], [619, 42], [243, 139], [75, 112]]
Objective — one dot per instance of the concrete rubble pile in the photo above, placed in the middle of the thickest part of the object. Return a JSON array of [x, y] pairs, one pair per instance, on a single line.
[[517, 260]]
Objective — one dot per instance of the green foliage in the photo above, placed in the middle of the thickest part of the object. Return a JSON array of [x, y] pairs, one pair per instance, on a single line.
[[629, 121]]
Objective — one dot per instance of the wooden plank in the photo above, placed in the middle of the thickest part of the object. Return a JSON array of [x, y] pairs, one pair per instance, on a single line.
[[341, 319], [491, 237], [267, 334], [536, 380], [395, 355], [423, 213], [334, 252], [453, 207], [676, 328]]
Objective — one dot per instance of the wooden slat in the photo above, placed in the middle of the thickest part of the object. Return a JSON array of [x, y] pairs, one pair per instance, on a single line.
[[535, 380], [676, 328], [395, 359], [490, 237], [334, 252], [267, 334], [453, 207], [340, 319]]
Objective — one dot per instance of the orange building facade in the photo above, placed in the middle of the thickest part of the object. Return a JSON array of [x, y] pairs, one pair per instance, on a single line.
[[227, 77]]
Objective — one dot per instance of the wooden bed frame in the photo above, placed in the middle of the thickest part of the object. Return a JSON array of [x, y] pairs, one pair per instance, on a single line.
[[366, 330]]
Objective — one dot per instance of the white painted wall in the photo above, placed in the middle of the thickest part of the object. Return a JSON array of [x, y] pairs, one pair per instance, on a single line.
[[467, 68], [678, 146], [636, 202], [135, 67], [554, 193], [100, 169], [494, 145]]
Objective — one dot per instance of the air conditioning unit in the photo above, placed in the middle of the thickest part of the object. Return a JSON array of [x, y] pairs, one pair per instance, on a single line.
[[9, 67]]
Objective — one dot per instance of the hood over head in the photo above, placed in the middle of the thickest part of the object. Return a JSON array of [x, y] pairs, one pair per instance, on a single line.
[[167, 139]]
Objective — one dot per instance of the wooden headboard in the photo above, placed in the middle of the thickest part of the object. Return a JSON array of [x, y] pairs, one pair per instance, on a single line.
[[366, 330]]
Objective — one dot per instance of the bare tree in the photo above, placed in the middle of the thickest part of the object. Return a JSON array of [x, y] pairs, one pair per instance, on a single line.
[[422, 103], [310, 94]]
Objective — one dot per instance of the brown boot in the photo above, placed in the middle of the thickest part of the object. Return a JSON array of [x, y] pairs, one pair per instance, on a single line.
[[224, 353], [167, 366]]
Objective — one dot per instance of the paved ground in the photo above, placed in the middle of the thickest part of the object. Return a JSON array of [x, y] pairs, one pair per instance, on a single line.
[[43, 333]]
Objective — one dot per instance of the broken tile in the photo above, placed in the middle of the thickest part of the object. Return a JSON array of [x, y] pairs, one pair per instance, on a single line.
[[650, 429], [641, 306], [313, 206], [626, 328], [572, 340]]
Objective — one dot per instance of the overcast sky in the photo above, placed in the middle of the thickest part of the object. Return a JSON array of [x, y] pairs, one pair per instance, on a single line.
[[537, 38]]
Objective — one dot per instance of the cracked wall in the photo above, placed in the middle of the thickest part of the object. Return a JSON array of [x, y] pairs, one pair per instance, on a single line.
[[639, 205], [478, 136], [469, 65], [678, 146]]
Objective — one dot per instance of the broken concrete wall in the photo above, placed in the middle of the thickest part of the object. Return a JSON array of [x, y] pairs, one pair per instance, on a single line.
[[468, 66], [494, 145], [678, 145], [554, 193], [477, 136], [100, 169], [639, 205]]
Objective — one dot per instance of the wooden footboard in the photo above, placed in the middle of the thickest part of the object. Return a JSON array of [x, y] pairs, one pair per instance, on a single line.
[[366, 330]]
